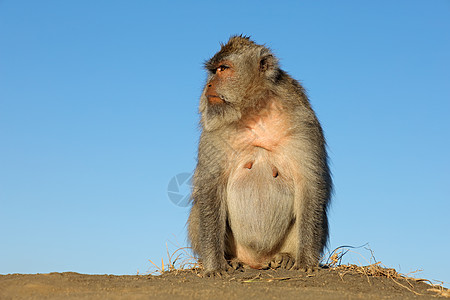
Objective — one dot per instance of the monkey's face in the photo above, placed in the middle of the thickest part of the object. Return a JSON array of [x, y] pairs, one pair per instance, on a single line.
[[221, 79], [224, 94], [237, 77]]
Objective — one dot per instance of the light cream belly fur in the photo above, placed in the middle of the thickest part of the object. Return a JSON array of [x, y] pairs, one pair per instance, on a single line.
[[260, 205]]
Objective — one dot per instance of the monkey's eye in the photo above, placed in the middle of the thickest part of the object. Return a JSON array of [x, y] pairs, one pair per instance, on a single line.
[[221, 68]]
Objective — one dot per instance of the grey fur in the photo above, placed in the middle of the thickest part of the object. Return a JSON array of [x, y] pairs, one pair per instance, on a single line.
[[266, 214]]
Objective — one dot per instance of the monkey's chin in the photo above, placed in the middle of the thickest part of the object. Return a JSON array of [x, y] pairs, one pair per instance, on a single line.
[[219, 115]]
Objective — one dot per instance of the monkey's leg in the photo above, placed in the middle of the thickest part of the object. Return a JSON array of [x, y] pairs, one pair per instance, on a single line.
[[212, 228], [312, 226], [194, 228], [195, 241]]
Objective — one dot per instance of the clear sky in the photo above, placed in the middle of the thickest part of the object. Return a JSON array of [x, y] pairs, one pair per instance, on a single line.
[[98, 112]]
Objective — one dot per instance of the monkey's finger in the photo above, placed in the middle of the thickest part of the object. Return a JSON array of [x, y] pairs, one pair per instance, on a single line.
[[290, 263], [215, 274], [274, 264], [284, 262], [218, 274], [276, 261], [235, 265], [266, 266], [300, 267]]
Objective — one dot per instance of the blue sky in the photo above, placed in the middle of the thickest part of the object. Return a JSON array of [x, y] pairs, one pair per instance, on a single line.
[[98, 112]]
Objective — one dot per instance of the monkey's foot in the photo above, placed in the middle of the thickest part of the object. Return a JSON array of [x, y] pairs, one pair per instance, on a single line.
[[281, 260], [306, 268], [229, 267], [215, 274], [235, 265]]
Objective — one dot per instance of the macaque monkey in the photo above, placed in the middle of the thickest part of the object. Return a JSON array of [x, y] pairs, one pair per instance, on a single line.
[[262, 183]]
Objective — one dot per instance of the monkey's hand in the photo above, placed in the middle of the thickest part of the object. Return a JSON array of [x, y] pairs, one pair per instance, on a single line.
[[281, 260], [228, 268], [308, 268]]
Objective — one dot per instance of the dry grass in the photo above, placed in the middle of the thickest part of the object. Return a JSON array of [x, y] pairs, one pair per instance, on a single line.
[[182, 260], [377, 269]]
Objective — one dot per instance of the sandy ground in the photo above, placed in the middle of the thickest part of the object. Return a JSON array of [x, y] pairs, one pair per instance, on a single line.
[[249, 284]]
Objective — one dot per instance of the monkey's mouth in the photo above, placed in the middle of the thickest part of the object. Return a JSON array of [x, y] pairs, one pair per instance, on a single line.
[[215, 99]]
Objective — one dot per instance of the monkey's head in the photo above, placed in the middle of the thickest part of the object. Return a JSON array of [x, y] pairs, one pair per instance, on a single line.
[[240, 76]]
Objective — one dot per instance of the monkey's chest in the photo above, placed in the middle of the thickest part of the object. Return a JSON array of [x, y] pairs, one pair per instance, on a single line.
[[260, 183], [262, 139], [267, 129]]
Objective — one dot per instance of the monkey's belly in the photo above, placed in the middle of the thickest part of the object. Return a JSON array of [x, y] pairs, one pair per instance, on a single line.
[[260, 205]]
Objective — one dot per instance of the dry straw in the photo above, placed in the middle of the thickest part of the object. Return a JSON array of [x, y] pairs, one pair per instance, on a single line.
[[182, 260], [377, 269]]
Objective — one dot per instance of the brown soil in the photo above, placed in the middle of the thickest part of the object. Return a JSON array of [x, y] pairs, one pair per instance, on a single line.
[[250, 284]]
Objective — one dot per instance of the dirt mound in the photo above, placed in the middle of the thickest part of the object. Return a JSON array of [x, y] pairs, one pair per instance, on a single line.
[[333, 283]]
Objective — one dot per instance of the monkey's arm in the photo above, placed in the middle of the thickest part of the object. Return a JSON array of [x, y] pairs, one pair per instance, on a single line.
[[312, 196], [207, 222]]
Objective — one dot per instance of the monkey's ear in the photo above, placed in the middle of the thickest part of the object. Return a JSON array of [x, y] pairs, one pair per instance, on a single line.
[[268, 65]]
